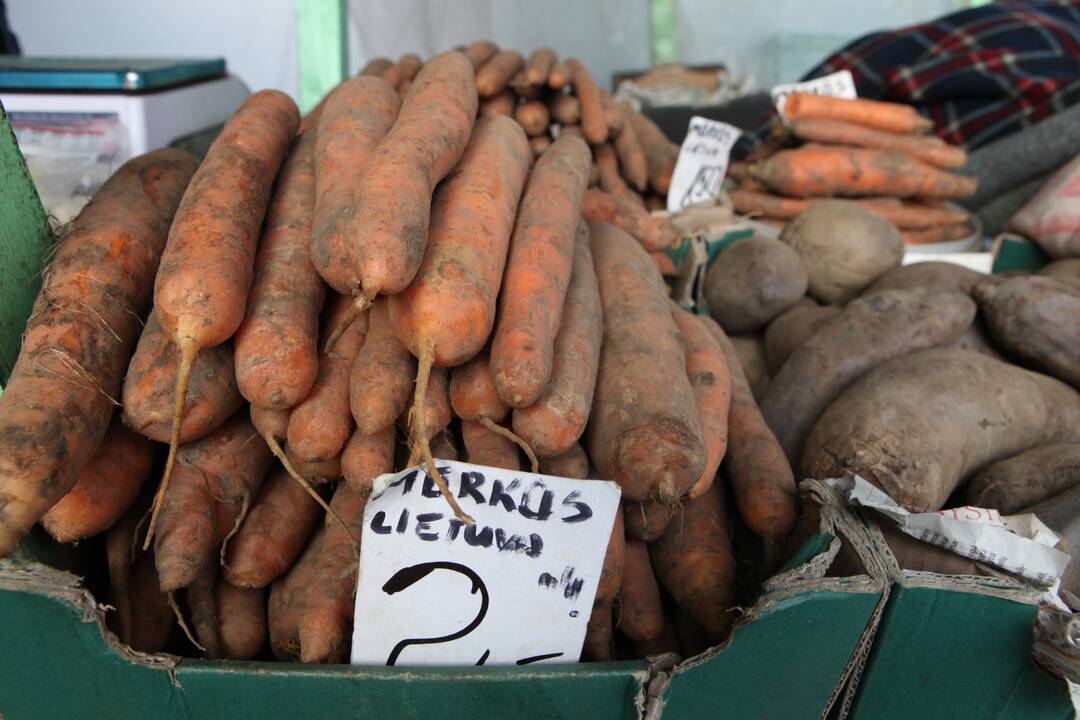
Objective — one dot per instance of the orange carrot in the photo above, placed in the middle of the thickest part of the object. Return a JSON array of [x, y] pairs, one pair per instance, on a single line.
[[646, 521], [241, 616], [593, 121], [404, 88], [277, 358], [573, 463], [216, 478], [320, 425], [484, 447], [150, 387], [904, 215], [472, 391], [608, 163], [270, 423], [560, 75], [660, 153], [480, 52], [273, 533], [643, 433], [366, 457], [533, 117], [612, 114], [539, 65], [620, 210], [928, 149], [694, 562], [376, 67], [941, 233], [889, 117], [565, 109], [495, 74], [599, 636], [641, 618], [500, 104], [664, 263], [388, 227], [755, 463], [316, 472], [206, 271], [654, 203], [711, 382], [538, 272], [523, 89], [825, 170], [631, 156], [204, 618], [409, 64], [539, 145], [325, 625], [56, 405], [382, 375], [555, 422], [106, 488], [288, 599]]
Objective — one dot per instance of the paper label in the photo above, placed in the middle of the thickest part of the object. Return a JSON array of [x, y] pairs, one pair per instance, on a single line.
[[702, 163], [838, 84], [515, 588], [1019, 544]]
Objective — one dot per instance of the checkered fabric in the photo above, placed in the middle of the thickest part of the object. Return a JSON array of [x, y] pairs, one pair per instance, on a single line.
[[979, 74]]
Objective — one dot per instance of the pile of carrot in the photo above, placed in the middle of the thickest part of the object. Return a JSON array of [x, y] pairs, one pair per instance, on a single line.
[[876, 153], [226, 355]]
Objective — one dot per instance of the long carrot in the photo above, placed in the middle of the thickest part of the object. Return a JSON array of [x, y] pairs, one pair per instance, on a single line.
[[150, 387], [612, 114], [241, 614], [644, 432], [357, 116], [366, 457], [62, 391], [203, 629], [523, 89], [538, 272], [599, 635], [641, 618], [206, 271], [273, 533], [711, 381], [277, 357], [653, 233], [573, 463], [555, 422], [445, 316], [660, 153], [480, 52], [143, 616], [495, 74], [106, 488], [889, 117], [539, 65], [216, 479], [826, 170], [694, 562], [607, 162], [316, 472], [593, 121], [755, 463], [288, 599], [387, 230], [382, 376], [906, 216], [631, 155], [927, 148]]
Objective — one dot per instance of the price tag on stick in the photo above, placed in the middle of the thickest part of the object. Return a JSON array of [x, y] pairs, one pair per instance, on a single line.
[[515, 588], [702, 163]]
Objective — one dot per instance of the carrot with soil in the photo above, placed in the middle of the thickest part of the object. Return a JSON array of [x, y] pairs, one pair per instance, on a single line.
[[599, 636], [538, 272], [496, 73], [641, 618], [382, 375], [474, 398], [653, 233], [277, 359], [928, 149], [533, 117], [56, 405], [207, 268], [484, 447], [660, 153], [366, 457], [241, 614], [631, 155], [887, 117], [644, 432], [539, 66], [593, 121]]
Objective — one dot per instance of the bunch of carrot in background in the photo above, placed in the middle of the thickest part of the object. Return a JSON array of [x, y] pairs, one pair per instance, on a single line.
[[393, 278], [874, 152]]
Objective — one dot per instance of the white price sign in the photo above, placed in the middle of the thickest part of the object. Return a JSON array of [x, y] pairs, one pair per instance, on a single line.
[[702, 163], [515, 588], [839, 84]]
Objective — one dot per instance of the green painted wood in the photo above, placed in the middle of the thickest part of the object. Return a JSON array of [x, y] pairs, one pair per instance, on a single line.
[[322, 49], [25, 243], [664, 15], [55, 664], [1017, 253], [950, 654], [785, 664]]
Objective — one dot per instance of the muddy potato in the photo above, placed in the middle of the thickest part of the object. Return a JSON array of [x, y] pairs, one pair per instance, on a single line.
[[753, 281]]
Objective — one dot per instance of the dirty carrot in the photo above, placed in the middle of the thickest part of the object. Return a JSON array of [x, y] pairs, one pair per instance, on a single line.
[[206, 271], [276, 351], [631, 155], [646, 521], [641, 618], [599, 635], [366, 457], [889, 117], [539, 145], [241, 615], [620, 210], [612, 114], [495, 74], [926, 148], [593, 121], [500, 104], [474, 398], [480, 52], [288, 599], [942, 233], [560, 75], [484, 447], [903, 215], [409, 64], [573, 463], [565, 109], [57, 402], [538, 272], [660, 153], [533, 117], [608, 163], [539, 66], [203, 607], [382, 375]]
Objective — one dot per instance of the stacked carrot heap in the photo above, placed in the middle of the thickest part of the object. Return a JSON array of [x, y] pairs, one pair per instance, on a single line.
[[393, 278], [874, 152]]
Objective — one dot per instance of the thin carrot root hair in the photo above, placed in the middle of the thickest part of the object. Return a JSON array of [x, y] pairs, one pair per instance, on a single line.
[[514, 438], [421, 445], [279, 453], [361, 304], [182, 622], [188, 351]]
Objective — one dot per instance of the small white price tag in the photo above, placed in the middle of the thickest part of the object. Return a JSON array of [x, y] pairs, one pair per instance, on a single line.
[[702, 163], [838, 84], [515, 588]]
